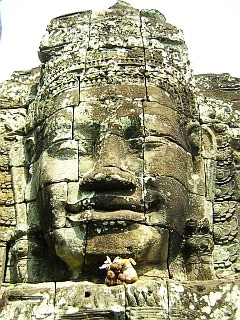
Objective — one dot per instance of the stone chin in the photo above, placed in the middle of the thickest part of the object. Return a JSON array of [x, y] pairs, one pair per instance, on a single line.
[[69, 245], [84, 248], [147, 245]]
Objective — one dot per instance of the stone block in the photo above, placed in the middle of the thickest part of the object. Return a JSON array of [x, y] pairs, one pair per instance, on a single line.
[[6, 233], [7, 215], [59, 163], [57, 127], [51, 201], [147, 299], [6, 191], [19, 183], [27, 301], [33, 184], [33, 218], [17, 156], [12, 120], [21, 214], [81, 299], [166, 158], [203, 300]]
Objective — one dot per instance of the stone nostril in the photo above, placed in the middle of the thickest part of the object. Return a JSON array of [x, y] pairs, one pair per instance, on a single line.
[[108, 182]]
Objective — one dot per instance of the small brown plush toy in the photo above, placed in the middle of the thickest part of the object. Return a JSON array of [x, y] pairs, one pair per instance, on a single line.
[[114, 274]]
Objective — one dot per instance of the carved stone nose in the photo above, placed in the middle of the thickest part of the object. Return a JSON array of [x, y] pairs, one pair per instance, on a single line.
[[108, 179], [109, 170]]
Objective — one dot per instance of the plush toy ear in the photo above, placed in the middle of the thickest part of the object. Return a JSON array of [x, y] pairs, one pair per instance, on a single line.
[[133, 262], [117, 260], [106, 264], [108, 261]]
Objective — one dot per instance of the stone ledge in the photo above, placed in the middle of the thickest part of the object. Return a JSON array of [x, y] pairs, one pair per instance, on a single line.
[[146, 299]]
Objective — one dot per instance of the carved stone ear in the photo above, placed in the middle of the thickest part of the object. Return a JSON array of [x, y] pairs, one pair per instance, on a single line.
[[194, 136], [30, 148]]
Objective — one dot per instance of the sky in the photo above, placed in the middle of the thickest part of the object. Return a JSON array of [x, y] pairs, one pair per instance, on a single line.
[[211, 29]]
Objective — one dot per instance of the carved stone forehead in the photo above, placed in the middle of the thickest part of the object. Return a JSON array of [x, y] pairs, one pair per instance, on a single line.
[[99, 55]]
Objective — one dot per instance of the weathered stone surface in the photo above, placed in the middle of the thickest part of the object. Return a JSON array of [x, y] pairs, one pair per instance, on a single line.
[[71, 248], [17, 154], [218, 100], [20, 90], [6, 192], [147, 300], [59, 163], [28, 301], [54, 209], [79, 299], [144, 300], [7, 215], [109, 148], [19, 183], [148, 245], [57, 127], [167, 119], [203, 300]]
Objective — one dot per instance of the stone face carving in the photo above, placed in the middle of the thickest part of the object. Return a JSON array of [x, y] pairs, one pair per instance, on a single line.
[[109, 167], [113, 148]]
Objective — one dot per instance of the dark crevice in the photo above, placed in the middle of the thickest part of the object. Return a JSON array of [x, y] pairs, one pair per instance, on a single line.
[[85, 249], [126, 303], [168, 255], [12, 135], [143, 120], [5, 263], [78, 168], [123, 64], [79, 86], [73, 121], [143, 168], [87, 223], [204, 169], [168, 300], [144, 56], [85, 62], [54, 300]]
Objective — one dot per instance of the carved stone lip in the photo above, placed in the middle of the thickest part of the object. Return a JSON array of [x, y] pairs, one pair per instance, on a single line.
[[108, 203], [97, 215]]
